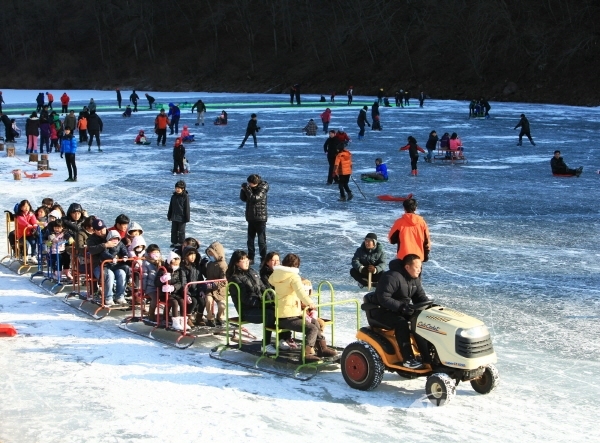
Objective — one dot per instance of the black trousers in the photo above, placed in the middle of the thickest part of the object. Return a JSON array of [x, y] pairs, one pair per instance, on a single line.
[[330, 177], [162, 134], [413, 162], [93, 132], [71, 166], [178, 165], [177, 232], [524, 133], [255, 315], [363, 278], [248, 134], [83, 135], [174, 124], [65, 109], [401, 329], [134, 106], [343, 184], [257, 228]]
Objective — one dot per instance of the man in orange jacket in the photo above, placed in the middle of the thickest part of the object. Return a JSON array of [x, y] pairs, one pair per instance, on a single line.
[[343, 170], [50, 99], [64, 101], [160, 127], [410, 233]]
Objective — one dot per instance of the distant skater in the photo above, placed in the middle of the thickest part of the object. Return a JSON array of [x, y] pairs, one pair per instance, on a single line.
[[251, 130], [524, 124], [119, 98]]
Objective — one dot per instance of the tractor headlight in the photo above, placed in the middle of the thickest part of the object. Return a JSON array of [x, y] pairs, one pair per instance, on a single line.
[[476, 332]]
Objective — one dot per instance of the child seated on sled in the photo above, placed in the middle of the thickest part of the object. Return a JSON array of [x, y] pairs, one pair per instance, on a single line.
[[141, 139], [59, 257], [455, 146], [186, 137], [172, 282], [380, 171], [222, 119], [16, 132], [127, 112]]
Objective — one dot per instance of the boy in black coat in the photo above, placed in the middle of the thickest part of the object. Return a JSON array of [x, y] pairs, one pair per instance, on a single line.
[[179, 213], [251, 130]]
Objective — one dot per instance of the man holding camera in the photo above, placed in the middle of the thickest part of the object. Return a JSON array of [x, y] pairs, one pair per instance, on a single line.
[[254, 193], [251, 130]]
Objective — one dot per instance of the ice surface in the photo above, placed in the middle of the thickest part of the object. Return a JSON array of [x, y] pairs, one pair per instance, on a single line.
[[512, 245]]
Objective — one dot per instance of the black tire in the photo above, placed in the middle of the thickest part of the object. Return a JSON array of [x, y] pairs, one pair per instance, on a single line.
[[487, 382], [440, 389], [362, 367]]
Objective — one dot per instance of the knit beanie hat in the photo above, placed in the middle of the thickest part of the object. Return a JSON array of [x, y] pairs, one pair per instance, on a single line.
[[371, 236], [172, 255]]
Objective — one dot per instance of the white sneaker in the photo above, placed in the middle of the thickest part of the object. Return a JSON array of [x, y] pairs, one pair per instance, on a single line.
[[109, 302], [120, 301], [284, 346], [33, 259], [270, 350]]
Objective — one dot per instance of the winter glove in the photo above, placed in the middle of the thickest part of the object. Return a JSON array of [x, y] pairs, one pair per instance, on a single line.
[[407, 310], [372, 269], [71, 241], [426, 258], [165, 278], [49, 243], [168, 288]]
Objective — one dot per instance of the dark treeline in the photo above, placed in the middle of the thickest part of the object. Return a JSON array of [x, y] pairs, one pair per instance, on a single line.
[[538, 50]]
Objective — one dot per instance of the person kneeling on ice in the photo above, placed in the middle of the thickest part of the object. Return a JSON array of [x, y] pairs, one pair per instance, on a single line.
[[127, 112], [380, 173], [186, 137], [369, 258], [99, 247], [221, 119], [396, 289], [310, 128], [251, 289], [291, 293], [171, 280], [141, 139], [559, 167], [413, 150]]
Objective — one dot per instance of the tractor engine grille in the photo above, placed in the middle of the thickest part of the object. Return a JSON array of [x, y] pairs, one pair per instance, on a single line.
[[473, 348]]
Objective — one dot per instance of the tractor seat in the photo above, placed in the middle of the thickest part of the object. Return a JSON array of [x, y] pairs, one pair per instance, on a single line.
[[370, 309]]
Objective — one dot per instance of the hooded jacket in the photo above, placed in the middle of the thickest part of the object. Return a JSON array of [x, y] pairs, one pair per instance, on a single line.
[[396, 289], [136, 242], [326, 116], [365, 257], [174, 110], [64, 99], [68, 144], [215, 270], [411, 234], [32, 126], [73, 225], [343, 163], [191, 271], [289, 290], [256, 201], [251, 289]]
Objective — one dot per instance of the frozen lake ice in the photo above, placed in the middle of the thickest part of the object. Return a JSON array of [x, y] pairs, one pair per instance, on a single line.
[[512, 245]]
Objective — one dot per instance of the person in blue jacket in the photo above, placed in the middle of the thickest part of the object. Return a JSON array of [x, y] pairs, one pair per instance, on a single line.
[[174, 114], [380, 173], [68, 149]]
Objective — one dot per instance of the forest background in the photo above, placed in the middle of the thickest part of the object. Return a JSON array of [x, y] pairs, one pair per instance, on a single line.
[[504, 50]]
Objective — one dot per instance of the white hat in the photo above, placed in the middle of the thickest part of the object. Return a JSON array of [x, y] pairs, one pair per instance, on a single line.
[[113, 234], [56, 214], [172, 255]]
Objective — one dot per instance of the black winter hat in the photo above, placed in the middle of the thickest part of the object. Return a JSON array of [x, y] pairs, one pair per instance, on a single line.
[[151, 248], [372, 236], [180, 184]]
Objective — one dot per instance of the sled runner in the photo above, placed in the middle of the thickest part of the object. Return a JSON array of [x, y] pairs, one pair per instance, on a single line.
[[289, 363], [564, 175], [392, 198]]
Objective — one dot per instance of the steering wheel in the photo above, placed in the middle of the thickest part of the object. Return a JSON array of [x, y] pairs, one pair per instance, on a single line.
[[423, 305]]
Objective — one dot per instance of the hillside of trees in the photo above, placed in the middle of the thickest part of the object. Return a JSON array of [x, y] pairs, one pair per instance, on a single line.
[[527, 50]]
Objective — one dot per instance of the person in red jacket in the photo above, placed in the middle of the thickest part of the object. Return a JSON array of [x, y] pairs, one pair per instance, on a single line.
[[26, 224], [161, 122], [413, 150], [50, 99], [326, 118], [411, 233], [64, 101]]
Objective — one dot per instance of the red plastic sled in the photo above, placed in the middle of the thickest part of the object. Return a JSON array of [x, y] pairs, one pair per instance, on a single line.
[[564, 175], [37, 174], [7, 330], [391, 198]]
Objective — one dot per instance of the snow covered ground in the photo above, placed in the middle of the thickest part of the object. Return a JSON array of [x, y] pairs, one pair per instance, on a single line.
[[512, 245]]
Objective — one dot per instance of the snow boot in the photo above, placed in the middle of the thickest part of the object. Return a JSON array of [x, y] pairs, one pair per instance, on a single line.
[[350, 196], [310, 356], [322, 350], [177, 323]]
